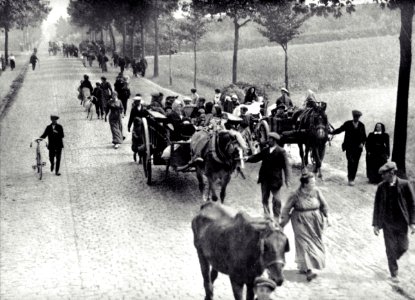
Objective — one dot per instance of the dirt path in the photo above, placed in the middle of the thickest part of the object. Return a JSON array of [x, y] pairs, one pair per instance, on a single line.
[[98, 231]]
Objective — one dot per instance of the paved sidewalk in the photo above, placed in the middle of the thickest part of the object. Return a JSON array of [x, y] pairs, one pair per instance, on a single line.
[[99, 232]]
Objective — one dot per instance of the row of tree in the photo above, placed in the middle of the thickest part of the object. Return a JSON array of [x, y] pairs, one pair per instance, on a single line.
[[281, 20], [21, 14]]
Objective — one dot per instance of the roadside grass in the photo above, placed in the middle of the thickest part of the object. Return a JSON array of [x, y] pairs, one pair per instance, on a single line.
[[350, 74], [8, 76]]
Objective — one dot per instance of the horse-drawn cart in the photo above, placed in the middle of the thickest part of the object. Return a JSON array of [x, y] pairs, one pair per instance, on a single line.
[[308, 126], [155, 139]]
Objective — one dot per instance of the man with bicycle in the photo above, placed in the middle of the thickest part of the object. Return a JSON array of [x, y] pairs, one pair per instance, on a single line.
[[55, 135]]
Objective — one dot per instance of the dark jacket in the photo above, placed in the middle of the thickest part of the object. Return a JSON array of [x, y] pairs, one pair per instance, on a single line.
[[406, 200], [97, 93], [54, 136], [284, 99], [273, 164], [378, 145], [352, 137], [86, 84], [134, 113]]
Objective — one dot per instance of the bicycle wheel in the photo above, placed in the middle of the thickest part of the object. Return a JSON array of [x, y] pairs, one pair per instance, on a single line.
[[39, 172]]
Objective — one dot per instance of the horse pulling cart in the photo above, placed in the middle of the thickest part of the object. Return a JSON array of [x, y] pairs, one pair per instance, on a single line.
[[303, 126]]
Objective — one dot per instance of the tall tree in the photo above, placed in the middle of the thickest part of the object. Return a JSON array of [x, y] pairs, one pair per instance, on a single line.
[[407, 10], [280, 24], [240, 11], [20, 14], [159, 8], [193, 28]]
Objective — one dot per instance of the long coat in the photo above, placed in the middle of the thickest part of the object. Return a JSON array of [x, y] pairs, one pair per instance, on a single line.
[[406, 200], [55, 137], [352, 137], [273, 164]]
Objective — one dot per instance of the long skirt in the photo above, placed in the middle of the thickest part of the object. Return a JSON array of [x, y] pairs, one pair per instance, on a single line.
[[373, 163], [308, 232], [116, 130]]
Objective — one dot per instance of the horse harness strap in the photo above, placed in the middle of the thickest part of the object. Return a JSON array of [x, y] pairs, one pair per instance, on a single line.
[[212, 148], [273, 262]]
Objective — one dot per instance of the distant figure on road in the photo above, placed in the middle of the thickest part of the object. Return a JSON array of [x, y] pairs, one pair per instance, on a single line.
[[55, 135], [354, 140], [307, 208], [121, 63], [285, 98], [104, 63], [99, 106], [377, 152], [86, 84], [394, 211], [106, 92], [115, 109], [34, 60], [194, 96], [121, 87], [274, 163], [12, 62]]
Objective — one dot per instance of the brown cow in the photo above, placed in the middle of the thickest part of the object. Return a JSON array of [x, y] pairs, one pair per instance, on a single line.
[[239, 246]]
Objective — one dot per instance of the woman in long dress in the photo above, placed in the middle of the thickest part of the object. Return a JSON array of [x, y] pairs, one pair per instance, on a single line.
[[307, 209], [377, 152], [115, 109]]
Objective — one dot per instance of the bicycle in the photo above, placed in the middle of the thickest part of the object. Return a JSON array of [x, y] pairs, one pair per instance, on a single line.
[[39, 164]]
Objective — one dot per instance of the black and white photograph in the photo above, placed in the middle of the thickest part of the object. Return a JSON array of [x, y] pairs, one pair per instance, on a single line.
[[207, 149]]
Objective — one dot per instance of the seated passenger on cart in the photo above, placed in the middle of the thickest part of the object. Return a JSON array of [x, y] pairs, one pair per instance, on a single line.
[[178, 122], [155, 104]]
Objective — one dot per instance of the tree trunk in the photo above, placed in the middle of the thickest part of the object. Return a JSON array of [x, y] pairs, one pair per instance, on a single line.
[[170, 75], [114, 49], [401, 115], [195, 63], [132, 39], [235, 51], [124, 37], [6, 45], [143, 47], [156, 46], [285, 47]]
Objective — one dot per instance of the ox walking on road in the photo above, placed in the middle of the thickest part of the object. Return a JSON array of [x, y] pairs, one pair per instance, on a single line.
[[236, 245]]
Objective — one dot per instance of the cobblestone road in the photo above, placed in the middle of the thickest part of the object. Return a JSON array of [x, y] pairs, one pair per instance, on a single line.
[[99, 232]]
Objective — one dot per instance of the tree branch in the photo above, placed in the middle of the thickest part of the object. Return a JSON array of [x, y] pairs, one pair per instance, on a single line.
[[244, 23]]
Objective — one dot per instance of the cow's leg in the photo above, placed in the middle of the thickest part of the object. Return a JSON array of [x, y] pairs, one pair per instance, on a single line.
[[204, 267], [213, 275], [250, 292], [237, 289], [225, 181], [300, 147]]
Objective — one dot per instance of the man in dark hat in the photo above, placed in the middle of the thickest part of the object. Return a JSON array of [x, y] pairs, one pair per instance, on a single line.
[[354, 140], [263, 287], [55, 135], [274, 164], [394, 212]]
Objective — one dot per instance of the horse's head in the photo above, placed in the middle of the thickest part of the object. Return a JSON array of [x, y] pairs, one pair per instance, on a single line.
[[228, 147], [274, 244], [319, 122]]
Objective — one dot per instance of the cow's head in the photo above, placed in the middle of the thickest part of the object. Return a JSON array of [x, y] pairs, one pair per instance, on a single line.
[[274, 244]]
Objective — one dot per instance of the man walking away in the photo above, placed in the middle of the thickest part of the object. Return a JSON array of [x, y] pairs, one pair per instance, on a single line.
[[55, 135], [274, 163], [354, 140], [34, 60], [394, 211]]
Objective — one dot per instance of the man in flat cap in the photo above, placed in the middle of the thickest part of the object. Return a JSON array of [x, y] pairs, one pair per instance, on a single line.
[[394, 212], [55, 135], [263, 287], [274, 163], [354, 140]]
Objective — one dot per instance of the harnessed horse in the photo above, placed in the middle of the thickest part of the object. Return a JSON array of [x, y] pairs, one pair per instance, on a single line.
[[220, 156]]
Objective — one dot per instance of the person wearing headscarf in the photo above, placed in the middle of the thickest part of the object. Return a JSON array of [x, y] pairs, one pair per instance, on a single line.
[[377, 152], [250, 95], [136, 113], [354, 140], [307, 208], [115, 110], [310, 99]]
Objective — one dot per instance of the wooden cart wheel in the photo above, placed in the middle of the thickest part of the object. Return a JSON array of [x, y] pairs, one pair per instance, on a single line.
[[263, 133], [147, 155]]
